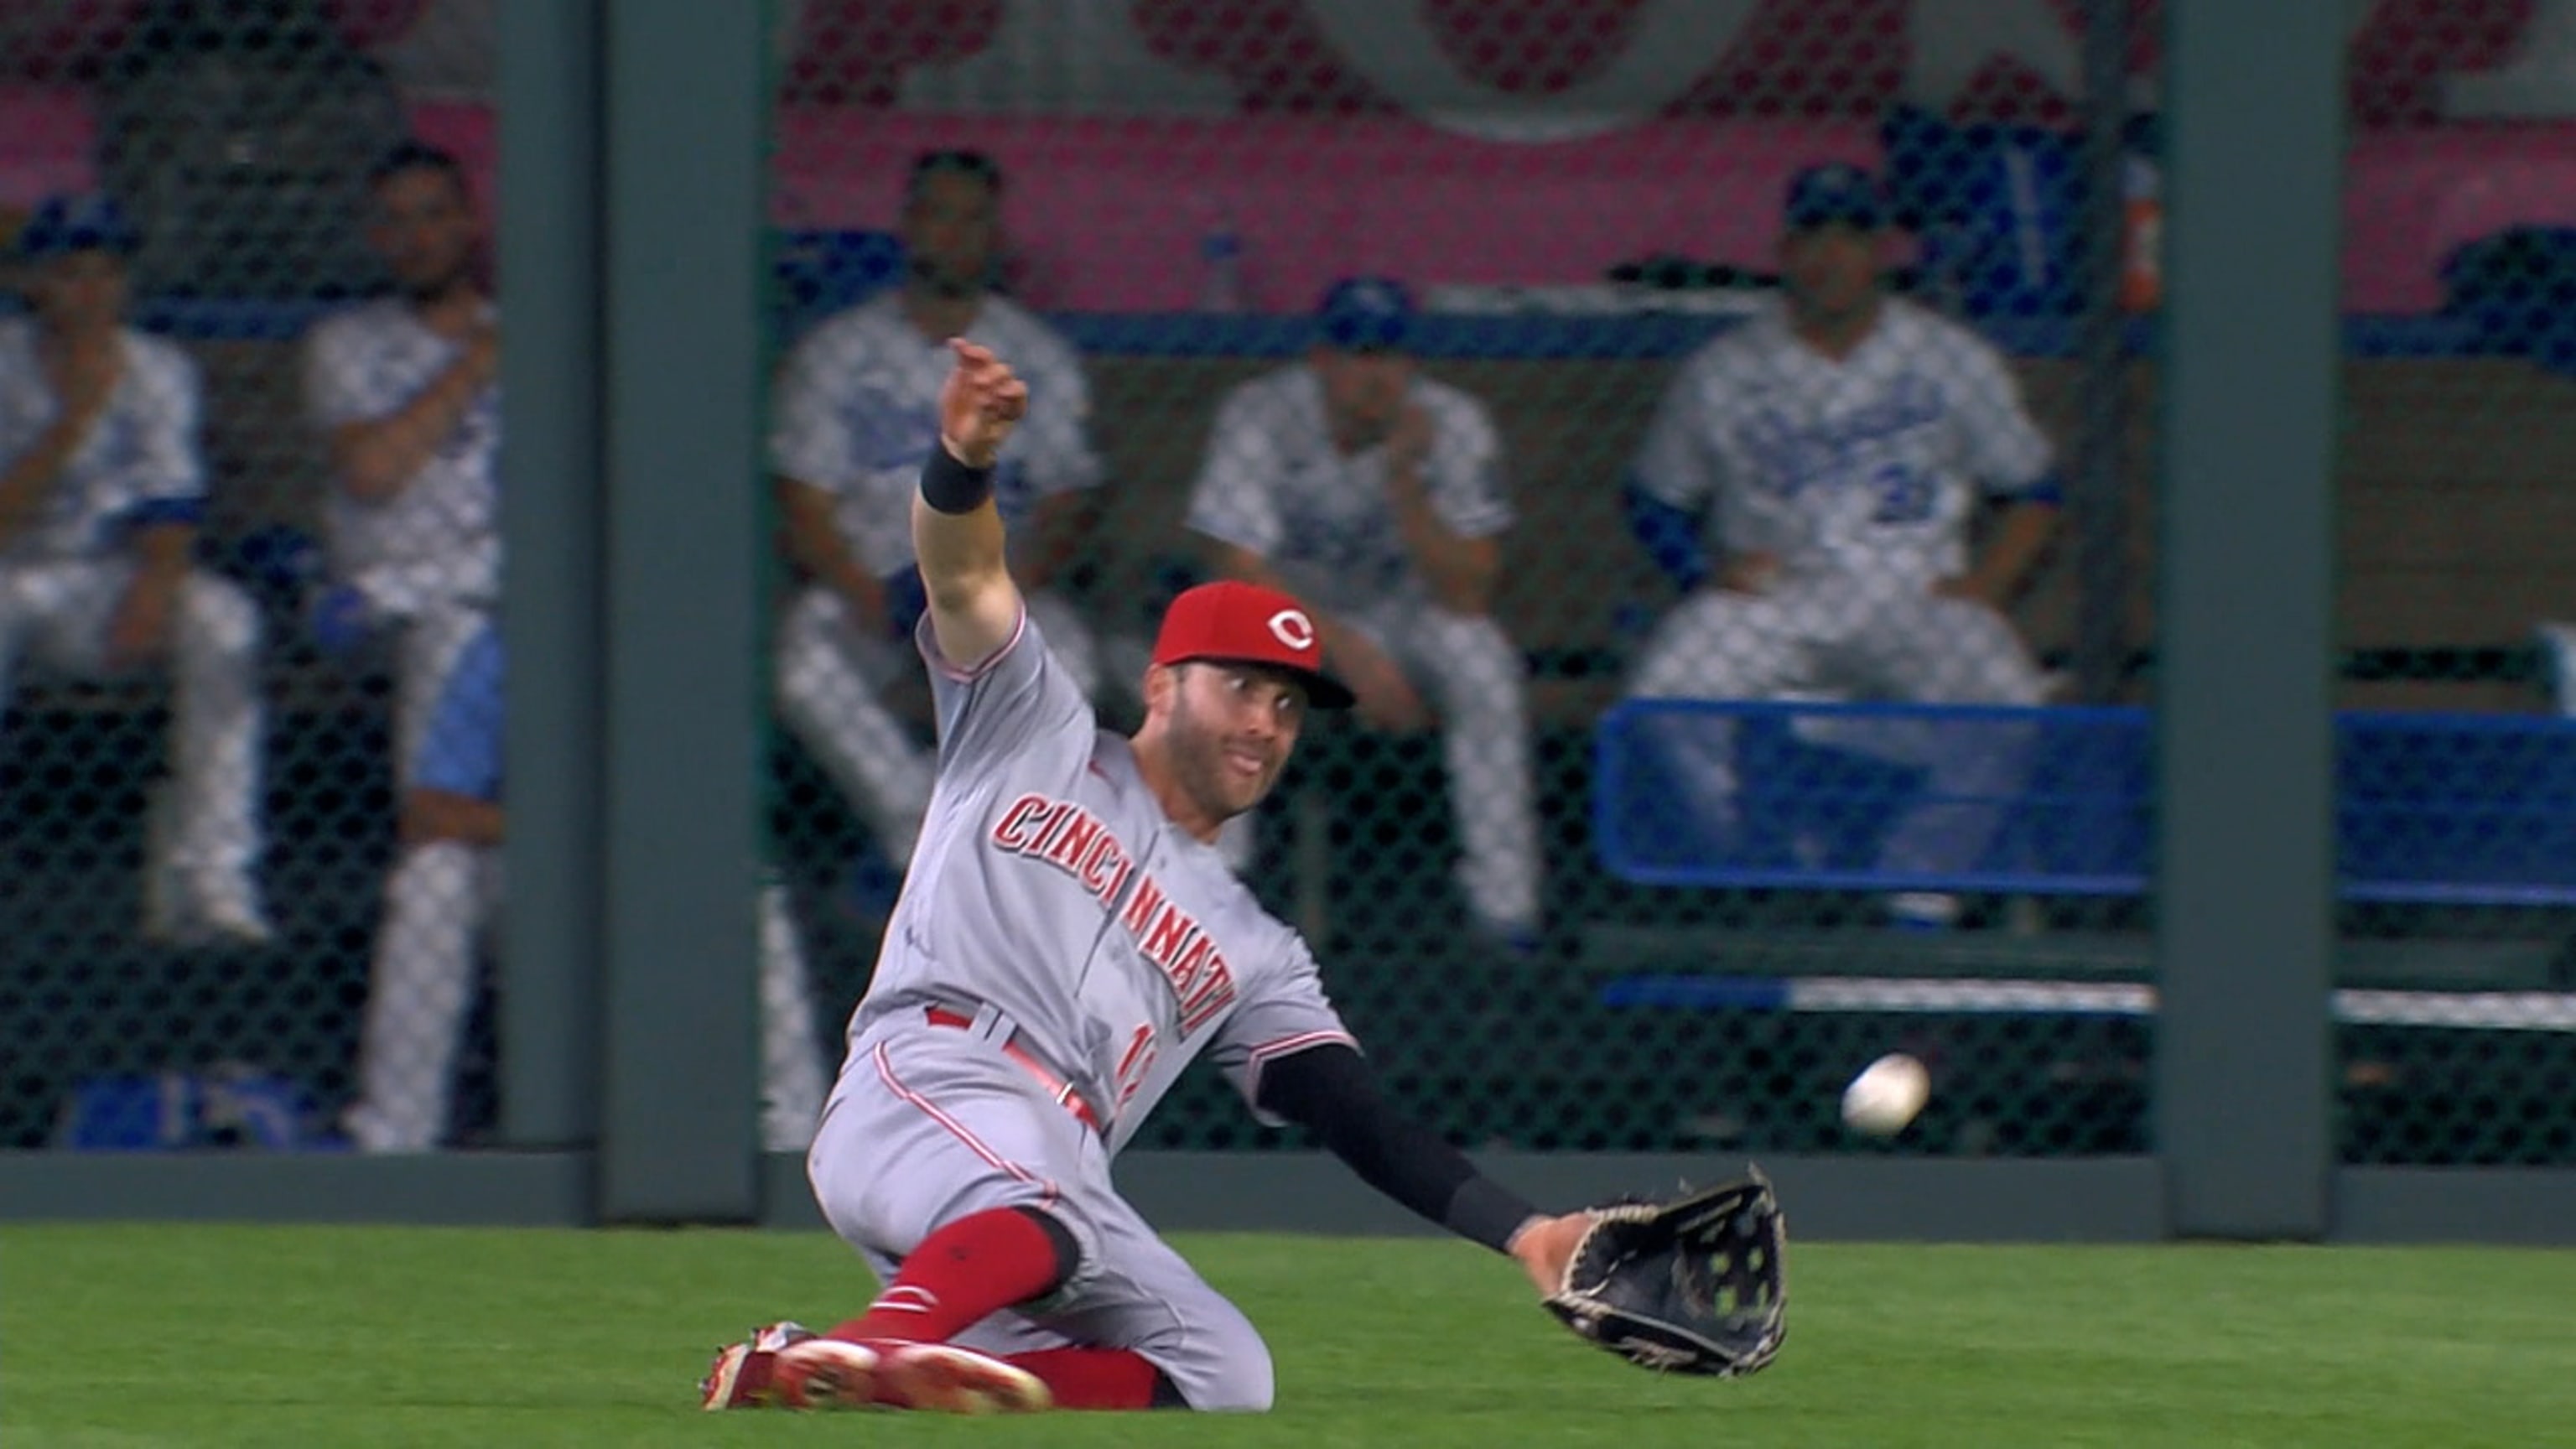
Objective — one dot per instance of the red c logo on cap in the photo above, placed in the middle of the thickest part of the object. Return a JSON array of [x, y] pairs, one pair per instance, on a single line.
[[1292, 628]]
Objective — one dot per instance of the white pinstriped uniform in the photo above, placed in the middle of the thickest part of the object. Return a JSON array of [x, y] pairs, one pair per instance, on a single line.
[[1275, 484], [429, 558], [61, 581], [1860, 476], [857, 413], [1054, 903]]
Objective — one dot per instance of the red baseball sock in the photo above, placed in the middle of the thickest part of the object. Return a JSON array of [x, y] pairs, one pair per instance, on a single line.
[[1092, 1378], [967, 1270]]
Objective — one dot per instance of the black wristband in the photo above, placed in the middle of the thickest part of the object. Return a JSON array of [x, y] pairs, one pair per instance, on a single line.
[[1484, 1211], [950, 486]]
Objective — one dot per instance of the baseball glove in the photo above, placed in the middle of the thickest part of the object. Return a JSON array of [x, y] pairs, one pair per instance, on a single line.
[[1696, 1285]]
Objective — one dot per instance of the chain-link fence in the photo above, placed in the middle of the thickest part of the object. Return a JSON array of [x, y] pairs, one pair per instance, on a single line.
[[2454, 454], [253, 440], [1716, 435]]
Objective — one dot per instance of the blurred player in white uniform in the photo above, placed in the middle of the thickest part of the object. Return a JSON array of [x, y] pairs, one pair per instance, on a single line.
[[1069, 940], [406, 392], [1376, 493], [102, 490], [857, 412], [1809, 481], [442, 900]]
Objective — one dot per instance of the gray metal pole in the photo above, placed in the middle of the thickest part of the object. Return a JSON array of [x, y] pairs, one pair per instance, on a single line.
[[2098, 488], [2246, 854], [550, 515], [686, 117]]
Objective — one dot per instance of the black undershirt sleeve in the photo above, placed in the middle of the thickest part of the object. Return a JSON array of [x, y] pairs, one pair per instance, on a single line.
[[1331, 1091]]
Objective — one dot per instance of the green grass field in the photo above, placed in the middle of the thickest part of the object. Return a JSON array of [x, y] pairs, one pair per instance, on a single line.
[[132, 1336]]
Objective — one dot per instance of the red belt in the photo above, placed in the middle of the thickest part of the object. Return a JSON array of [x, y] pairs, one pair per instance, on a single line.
[[1062, 1091]]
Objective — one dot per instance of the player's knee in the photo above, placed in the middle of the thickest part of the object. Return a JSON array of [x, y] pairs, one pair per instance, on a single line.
[[1474, 654], [1250, 1384], [17, 609], [1218, 1362], [1665, 672], [1249, 1390], [1244, 1384], [2024, 687], [435, 876], [1998, 677], [217, 618]]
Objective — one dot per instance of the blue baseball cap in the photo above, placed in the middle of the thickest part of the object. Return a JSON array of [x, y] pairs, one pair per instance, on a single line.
[[1366, 314], [66, 224], [1839, 192]]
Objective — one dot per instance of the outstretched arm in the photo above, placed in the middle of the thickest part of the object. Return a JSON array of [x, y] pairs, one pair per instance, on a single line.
[[1330, 1090], [956, 532]]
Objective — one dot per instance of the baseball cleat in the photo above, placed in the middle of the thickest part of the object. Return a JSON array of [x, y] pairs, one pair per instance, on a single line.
[[943, 1378], [826, 1373], [740, 1378]]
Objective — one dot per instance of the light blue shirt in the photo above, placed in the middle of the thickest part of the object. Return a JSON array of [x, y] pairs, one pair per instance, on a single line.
[[460, 753]]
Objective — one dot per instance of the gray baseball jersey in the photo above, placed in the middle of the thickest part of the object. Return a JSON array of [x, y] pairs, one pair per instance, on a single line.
[[1050, 885]]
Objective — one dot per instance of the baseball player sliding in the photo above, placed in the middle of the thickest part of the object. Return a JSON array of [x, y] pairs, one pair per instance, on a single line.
[[1808, 482], [1068, 940]]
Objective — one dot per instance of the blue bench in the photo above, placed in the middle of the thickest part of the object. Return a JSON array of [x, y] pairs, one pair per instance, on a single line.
[[2431, 808]]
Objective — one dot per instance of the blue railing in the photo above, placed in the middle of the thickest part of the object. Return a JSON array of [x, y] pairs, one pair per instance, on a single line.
[[2429, 808], [1643, 336]]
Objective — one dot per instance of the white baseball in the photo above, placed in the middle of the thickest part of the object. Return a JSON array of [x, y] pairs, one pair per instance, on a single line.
[[1886, 1095]]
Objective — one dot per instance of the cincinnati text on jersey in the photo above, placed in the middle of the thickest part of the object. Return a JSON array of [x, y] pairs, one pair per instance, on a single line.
[[1072, 839]]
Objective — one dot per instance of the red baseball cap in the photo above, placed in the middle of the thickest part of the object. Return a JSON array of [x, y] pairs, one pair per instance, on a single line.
[[1248, 624]]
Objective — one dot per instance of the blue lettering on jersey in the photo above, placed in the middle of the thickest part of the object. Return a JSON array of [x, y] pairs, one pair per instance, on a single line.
[[1911, 402], [1794, 456], [1789, 457]]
